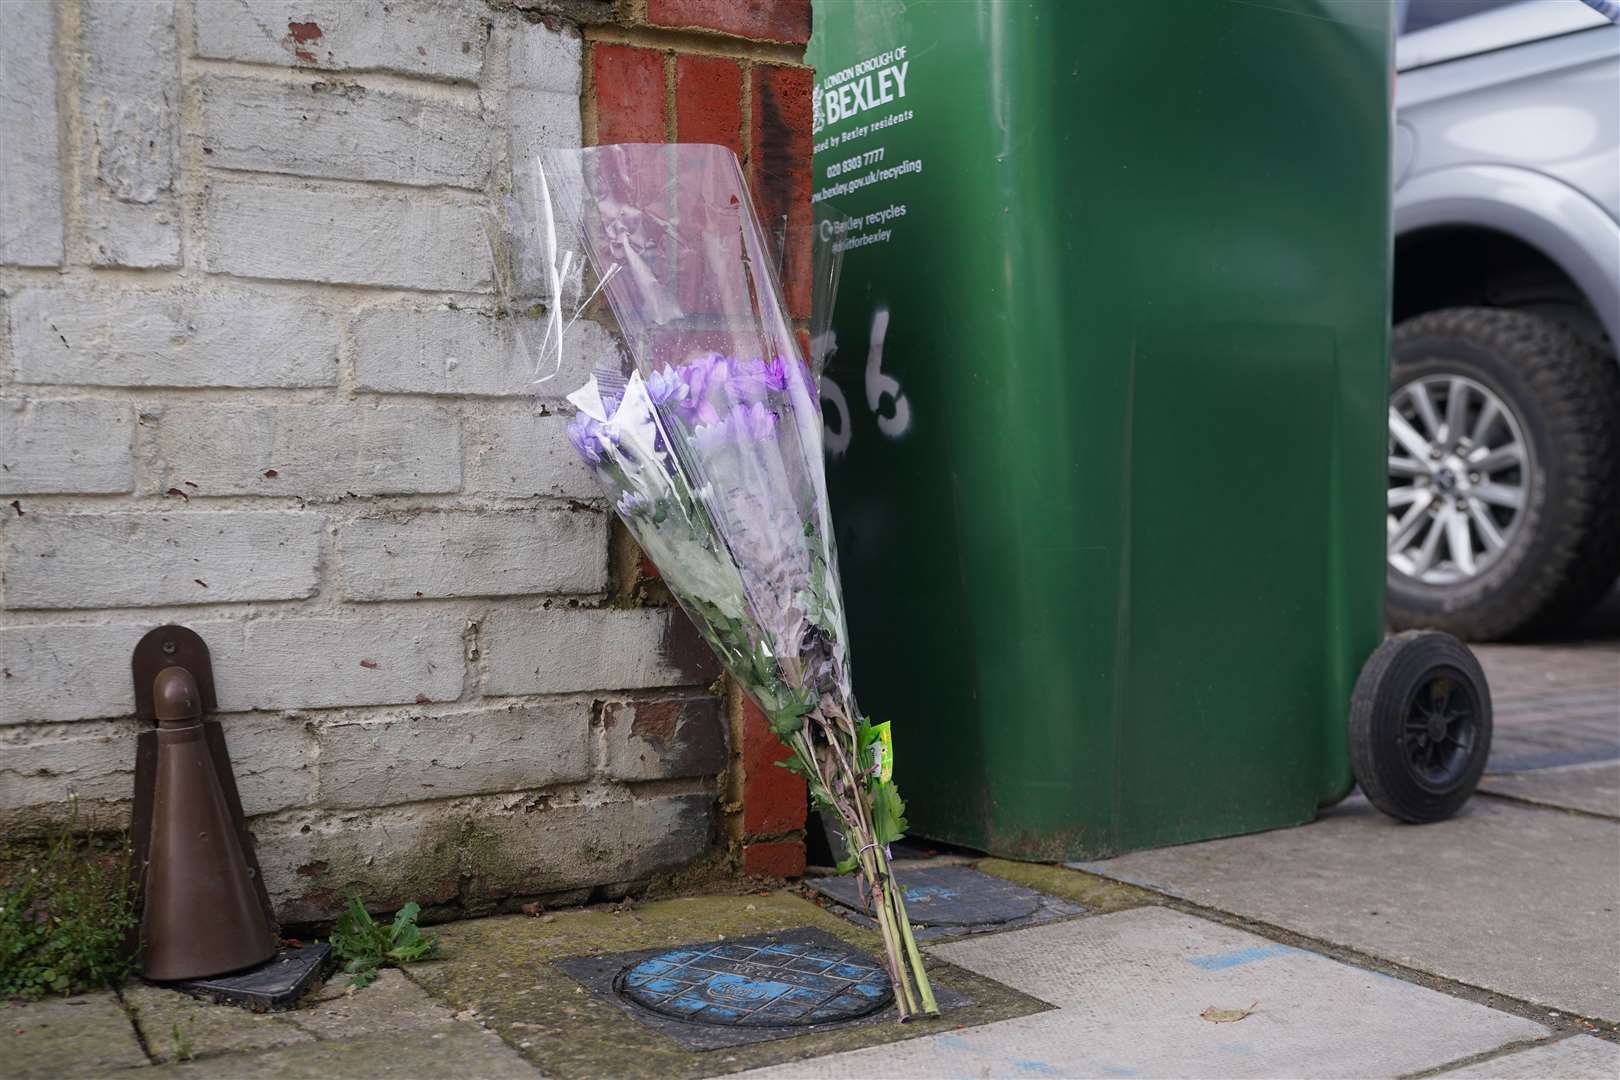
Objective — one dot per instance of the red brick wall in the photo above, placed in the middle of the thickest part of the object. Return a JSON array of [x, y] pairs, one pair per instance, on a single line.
[[729, 72]]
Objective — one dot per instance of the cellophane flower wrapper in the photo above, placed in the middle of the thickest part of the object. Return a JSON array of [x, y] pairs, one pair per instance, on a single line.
[[710, 450]]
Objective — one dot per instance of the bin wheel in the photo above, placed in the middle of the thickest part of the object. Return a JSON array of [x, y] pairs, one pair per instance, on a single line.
[[1420, 726]]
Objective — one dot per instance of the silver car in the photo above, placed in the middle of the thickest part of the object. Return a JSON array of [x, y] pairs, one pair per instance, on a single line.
[[1504, 449]]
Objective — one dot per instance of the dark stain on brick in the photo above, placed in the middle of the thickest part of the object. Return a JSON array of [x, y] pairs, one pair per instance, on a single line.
[[656, 722], [686, 652], [314, 869], [776, 146]]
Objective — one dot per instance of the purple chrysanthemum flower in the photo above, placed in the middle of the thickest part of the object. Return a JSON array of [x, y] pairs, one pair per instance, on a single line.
[[704, 414], [588, 437], [710, 437], [753, 423], [667, 387], [747, 382], [775, 374], [631, 502], [751, 380], [703, 375]]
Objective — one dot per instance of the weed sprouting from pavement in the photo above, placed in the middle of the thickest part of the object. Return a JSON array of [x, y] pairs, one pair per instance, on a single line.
[[66, 909]]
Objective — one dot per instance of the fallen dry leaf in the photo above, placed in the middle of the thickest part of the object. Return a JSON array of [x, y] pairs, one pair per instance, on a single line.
[[1226, 1016]]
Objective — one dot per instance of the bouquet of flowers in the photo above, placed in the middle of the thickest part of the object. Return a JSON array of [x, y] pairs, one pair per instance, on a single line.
[[711, 452]]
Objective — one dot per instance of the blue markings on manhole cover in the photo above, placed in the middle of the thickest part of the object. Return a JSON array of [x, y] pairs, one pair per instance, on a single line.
[[768, 984]]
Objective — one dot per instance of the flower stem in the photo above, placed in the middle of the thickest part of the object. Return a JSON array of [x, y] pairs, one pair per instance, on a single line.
[[902, 957], [914, 954], [884, 913]]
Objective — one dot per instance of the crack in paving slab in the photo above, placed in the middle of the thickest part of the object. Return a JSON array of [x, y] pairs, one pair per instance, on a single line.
[[1579, 1057]]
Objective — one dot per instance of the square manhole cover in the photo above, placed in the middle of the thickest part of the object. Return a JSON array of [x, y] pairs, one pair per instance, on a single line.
[[745, 990], [950, 900]]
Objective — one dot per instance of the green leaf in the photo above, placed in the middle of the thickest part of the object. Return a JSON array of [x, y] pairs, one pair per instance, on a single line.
[[888, 812], [367, 946], [405, 918]]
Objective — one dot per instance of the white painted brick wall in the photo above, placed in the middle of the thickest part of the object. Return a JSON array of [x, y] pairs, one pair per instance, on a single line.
[[518, 455], [339, 236], [408, 758], [310, 451], [474, 553], [135, 559], [274, 769], [105, 335], [31, 166], [343, 132], [363, 657], [414, 37], [58, 672], [507, 843], [65, 447], [563, 650], [370, 655], [254, 379], [545, 78], [464, 352], [129, 111]]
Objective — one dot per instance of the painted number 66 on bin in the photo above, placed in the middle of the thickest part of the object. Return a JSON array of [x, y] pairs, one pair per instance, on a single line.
[[894, 421]]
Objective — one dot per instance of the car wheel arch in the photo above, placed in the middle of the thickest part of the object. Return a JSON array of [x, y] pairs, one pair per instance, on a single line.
[[1546, 216]]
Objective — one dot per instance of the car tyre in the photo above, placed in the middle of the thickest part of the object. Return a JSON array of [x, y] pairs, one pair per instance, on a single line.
[[1564, 551]]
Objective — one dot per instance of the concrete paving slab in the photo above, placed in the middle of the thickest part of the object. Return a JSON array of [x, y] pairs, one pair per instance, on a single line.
[[389, 1004], [1510, 898], [77, 1036], [1593, 788], [1131, 988], [458, 1050], [179, 1027], [1578, 1058], [1554, 704]]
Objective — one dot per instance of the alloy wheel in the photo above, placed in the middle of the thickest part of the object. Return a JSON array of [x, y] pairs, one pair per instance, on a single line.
[[1459, 479]]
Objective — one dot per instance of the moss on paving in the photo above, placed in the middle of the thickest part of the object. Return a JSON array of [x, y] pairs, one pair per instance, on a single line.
[[1098, 894], [502, 969]]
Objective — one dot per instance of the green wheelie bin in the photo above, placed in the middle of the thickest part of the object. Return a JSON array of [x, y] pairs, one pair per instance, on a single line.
[[1105, 399]]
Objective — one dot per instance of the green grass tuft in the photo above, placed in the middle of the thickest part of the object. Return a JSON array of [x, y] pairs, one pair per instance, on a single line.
[[66, 909]]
